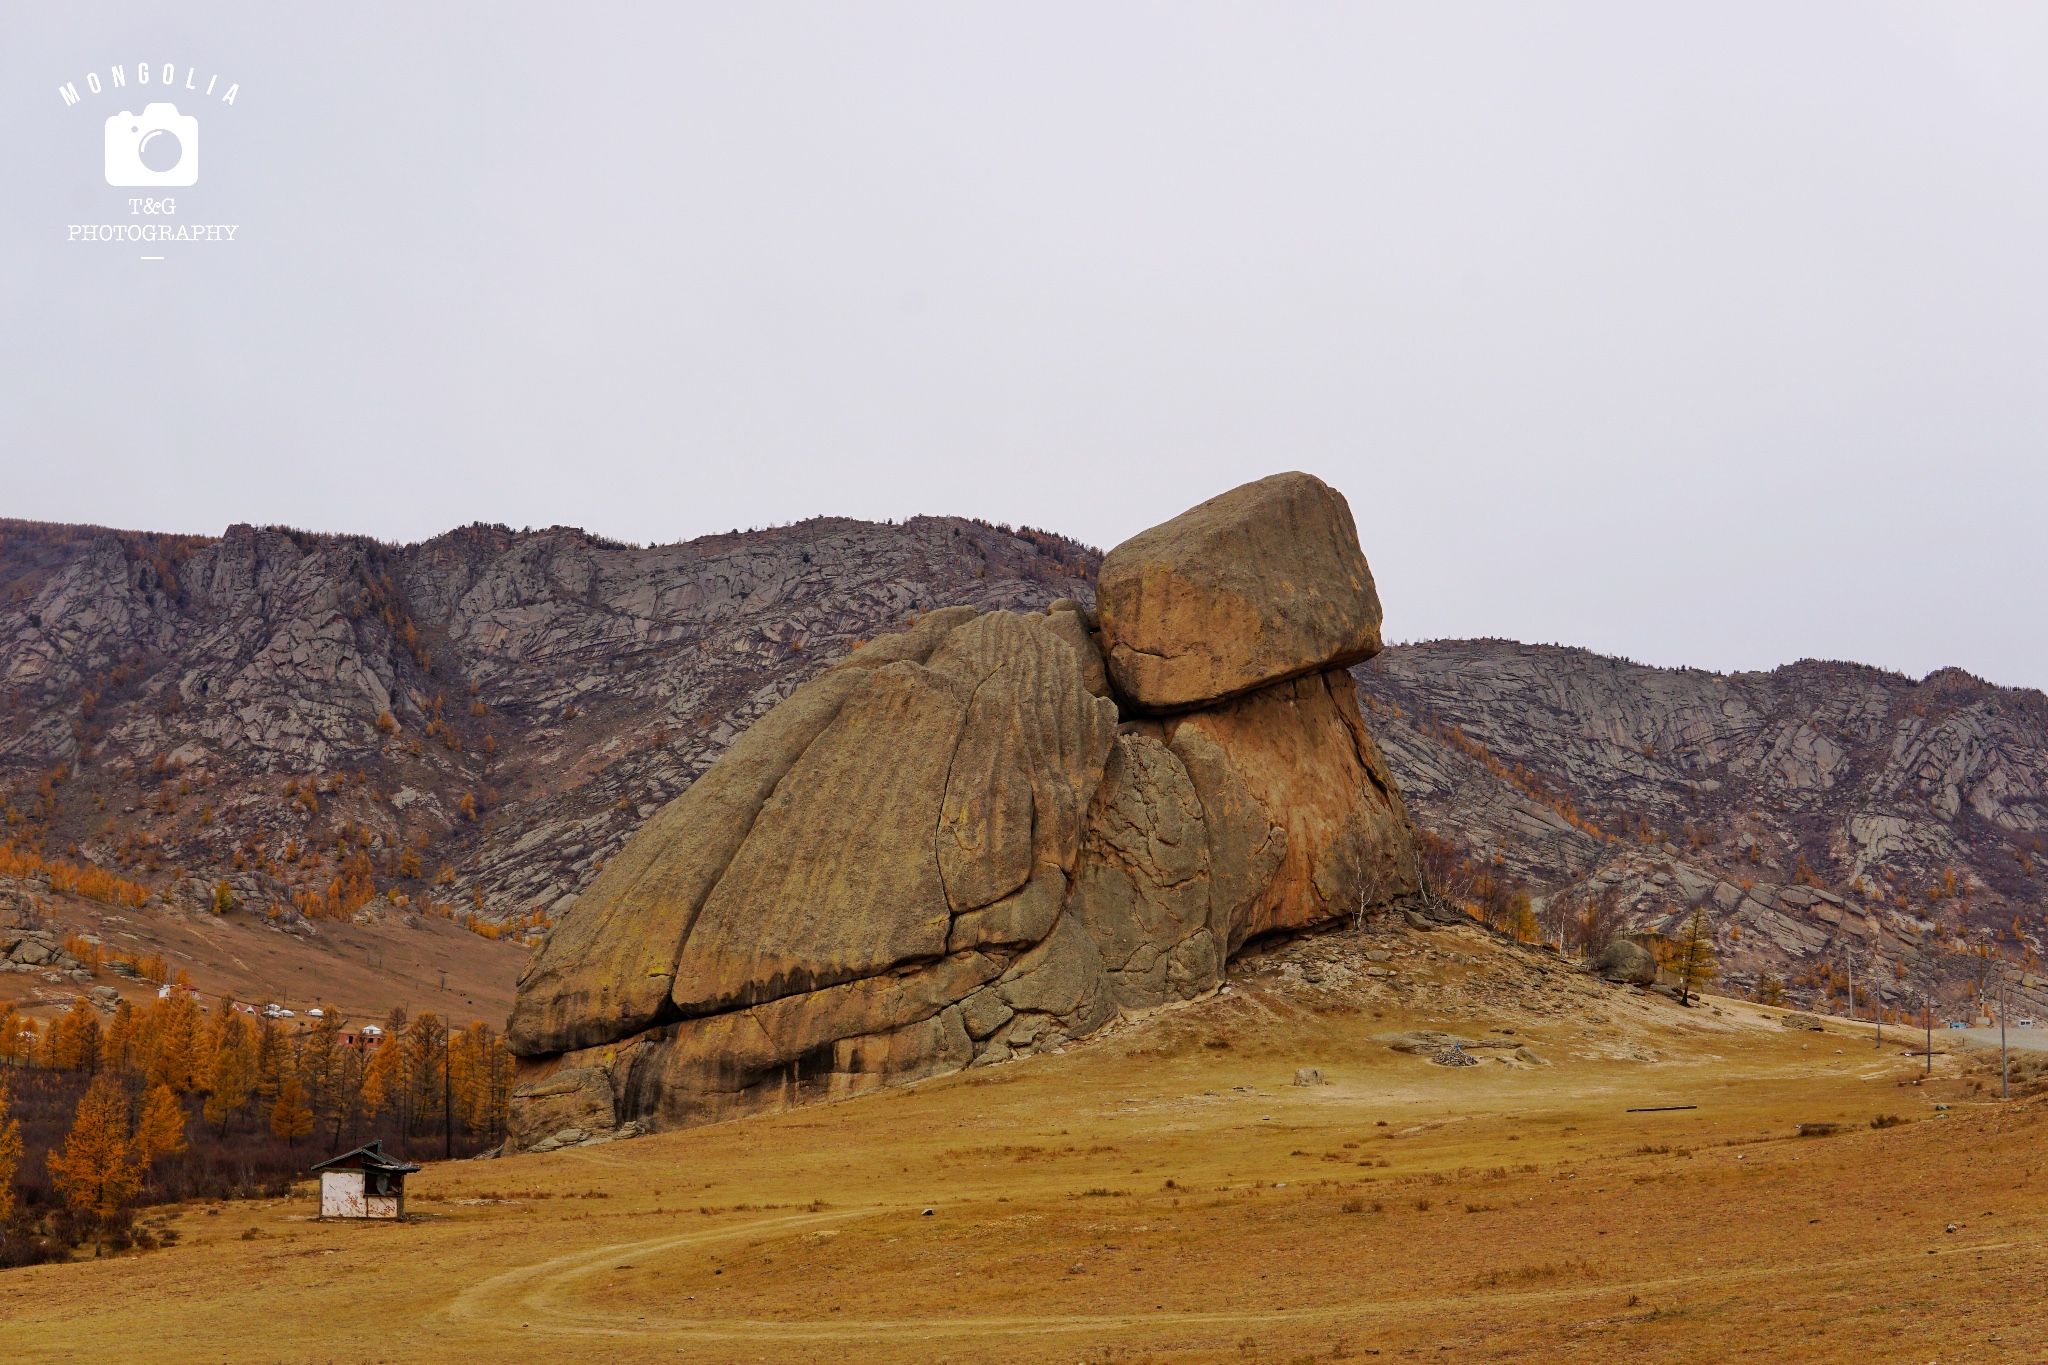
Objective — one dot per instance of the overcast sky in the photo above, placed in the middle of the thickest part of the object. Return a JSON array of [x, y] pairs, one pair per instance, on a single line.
[[1705, 334]]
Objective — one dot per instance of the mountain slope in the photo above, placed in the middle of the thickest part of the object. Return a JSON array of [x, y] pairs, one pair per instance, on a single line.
[[1821, 810], [472, 723], [476, 722]]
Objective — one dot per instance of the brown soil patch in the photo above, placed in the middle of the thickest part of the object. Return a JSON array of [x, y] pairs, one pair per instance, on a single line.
[[361, 969]]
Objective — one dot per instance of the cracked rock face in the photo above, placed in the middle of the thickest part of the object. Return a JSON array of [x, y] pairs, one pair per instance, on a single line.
[[949, 850], [1294, 782], [1145, 894]]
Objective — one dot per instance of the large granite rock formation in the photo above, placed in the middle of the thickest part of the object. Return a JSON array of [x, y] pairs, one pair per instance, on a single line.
[[969, 842]]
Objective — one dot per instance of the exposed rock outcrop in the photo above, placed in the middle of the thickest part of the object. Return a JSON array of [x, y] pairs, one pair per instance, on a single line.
[[947, 851], [1627, 963], [186, 702], [1147, 893], [19, 908], [1293, 779], [923, 797]]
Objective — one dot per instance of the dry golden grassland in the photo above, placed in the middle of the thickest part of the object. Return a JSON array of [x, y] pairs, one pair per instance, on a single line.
[[1166, 1194]]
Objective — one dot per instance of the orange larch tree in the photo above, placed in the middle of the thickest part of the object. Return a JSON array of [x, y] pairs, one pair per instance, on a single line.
[[95, 1170]]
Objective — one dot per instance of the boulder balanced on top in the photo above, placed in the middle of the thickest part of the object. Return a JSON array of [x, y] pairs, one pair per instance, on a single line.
[[973, 840], [1262, 584]]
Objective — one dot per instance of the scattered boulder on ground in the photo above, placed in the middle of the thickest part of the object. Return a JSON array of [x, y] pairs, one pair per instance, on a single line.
[[1423, 1042], [972, 842], [34, 948], [19, 908], [1802, 1021], [1627, 964], [1309, 1075], [572, 1098]]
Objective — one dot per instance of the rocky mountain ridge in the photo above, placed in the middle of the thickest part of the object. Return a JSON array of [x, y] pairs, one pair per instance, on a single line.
[[1828, 814], [257, 665], [473, 723]]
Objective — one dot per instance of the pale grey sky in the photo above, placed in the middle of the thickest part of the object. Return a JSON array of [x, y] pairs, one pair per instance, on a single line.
[[1708, 334]]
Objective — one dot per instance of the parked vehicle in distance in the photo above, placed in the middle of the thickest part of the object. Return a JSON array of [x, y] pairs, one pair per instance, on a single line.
[[1957, 1023], [2022, 1023]]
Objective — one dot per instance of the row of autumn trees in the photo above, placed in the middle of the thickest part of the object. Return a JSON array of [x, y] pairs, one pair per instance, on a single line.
[[173, 1101], [100, 1170], [302, 1082]]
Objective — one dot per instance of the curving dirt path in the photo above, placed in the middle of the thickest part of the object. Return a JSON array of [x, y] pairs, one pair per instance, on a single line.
[[542, 1298]]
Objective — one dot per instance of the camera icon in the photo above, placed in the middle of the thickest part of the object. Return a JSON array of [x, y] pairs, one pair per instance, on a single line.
[[159, 146]]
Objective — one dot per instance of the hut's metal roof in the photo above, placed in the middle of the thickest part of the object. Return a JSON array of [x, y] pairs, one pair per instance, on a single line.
[[369, 1157]]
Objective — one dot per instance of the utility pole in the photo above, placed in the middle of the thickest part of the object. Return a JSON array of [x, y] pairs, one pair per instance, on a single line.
[[1850, 959], [447, 1091], [1927, 1010], [2004, 1067]]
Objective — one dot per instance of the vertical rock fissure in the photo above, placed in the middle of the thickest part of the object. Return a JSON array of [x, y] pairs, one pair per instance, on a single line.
[[939, 830]]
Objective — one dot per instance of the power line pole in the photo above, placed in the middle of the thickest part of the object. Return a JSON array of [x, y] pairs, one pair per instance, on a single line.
[[2004, 1066], [1927, 1011], [447, 1091]]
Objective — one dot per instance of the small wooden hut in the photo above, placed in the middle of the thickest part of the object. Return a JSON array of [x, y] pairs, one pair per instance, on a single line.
[[364, 1183]]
